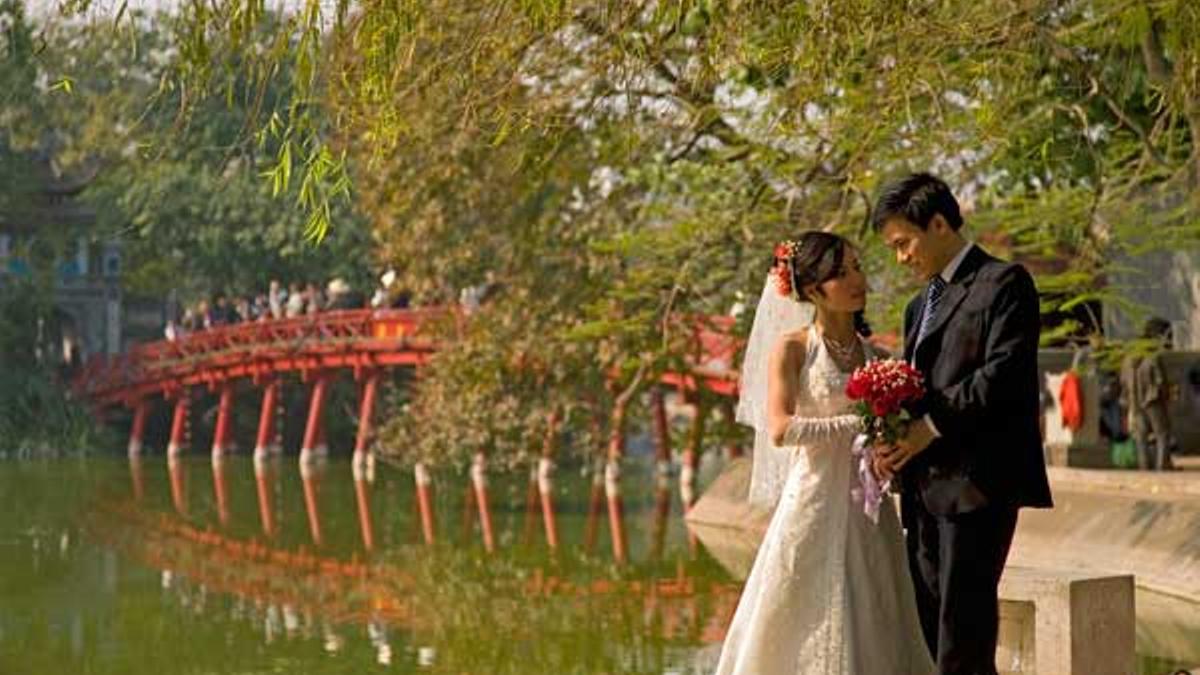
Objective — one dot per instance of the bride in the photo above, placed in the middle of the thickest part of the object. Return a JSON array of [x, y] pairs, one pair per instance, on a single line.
[[830, 591]]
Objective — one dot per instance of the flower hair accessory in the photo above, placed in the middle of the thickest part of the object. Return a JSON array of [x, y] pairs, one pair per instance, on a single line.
[[781, 270]]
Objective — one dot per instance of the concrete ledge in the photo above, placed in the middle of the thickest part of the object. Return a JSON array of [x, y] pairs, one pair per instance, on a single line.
[[1066, 622], [1106, 523]]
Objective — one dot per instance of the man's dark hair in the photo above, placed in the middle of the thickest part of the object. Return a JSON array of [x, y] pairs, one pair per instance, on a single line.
[[916, 198]]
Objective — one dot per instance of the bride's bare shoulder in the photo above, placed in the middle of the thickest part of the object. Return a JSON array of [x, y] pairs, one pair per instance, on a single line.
[[790, 348]]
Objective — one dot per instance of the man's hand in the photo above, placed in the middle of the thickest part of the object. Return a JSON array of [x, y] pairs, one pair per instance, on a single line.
[[915, 440]]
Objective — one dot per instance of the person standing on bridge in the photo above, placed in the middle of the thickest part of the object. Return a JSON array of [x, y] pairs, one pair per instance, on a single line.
[[295, 301]]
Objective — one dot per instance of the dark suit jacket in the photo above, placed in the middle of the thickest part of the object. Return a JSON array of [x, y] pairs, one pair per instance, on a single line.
[[980, 365]]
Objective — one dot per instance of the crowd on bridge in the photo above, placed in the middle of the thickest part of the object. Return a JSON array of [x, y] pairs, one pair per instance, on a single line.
[[280, 302]]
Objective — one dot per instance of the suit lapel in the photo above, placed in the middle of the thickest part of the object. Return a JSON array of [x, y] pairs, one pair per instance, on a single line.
[[913, 320], [955, 293]]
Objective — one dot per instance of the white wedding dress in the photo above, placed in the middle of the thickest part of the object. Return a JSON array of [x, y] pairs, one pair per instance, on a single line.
[[830, 592]]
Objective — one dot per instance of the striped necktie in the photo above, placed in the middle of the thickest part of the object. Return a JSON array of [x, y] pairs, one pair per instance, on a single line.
[[933, 297]]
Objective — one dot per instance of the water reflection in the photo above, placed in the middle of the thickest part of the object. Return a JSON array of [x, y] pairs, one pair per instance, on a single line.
[[336, 566], [278, 566]]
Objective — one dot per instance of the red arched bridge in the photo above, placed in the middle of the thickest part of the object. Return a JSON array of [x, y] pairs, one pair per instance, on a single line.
[[315, 346]]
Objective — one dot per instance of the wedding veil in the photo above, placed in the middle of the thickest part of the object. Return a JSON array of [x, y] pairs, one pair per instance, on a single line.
[[775, 316]]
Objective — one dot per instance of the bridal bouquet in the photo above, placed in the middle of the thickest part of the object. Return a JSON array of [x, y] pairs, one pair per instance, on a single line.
[[880, 391]]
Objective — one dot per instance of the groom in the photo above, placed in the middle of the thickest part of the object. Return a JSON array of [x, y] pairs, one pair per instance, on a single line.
[[973, 455]]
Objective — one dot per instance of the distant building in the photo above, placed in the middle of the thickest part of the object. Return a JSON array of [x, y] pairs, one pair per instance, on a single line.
[[46, 229]]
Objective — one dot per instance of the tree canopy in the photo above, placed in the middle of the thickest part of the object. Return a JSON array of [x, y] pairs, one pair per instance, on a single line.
[[610, 167]]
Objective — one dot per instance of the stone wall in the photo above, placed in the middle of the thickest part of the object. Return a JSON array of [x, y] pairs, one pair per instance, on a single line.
[[1104, 524]]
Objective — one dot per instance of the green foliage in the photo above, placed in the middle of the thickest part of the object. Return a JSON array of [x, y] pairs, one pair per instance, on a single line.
[[37, 416], [617, 166], [182, 183]]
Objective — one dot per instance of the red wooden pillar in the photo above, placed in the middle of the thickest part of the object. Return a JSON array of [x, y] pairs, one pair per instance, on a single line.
[[135, 475], [316, 409], [179, 423], [220, 488], [479, 483], [178, 483], [362, 496], [424, 501], [612, 482], [138, 430], [321, 449], [310, 477], [365, 413], [545, 480], [362, 465], [223, 435], [266, 420], [262, 475]]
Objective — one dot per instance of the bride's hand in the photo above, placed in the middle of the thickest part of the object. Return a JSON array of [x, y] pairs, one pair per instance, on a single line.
[[879, 464]]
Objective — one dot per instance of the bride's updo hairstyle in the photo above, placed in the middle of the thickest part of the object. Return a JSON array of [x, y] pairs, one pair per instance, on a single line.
[[813, 258]]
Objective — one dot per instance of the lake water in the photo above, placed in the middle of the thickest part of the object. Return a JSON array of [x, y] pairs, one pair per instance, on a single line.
[[108, 566]]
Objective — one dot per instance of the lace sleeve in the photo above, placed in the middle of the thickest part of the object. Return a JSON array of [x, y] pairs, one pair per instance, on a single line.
[[801, 429]]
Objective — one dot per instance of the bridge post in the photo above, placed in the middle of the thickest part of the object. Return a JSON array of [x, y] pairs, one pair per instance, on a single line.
[[322, 446], [262, 474], [545, 480], [178, 483], [363, 498], [220, 489], [612, 481], [179, 423], [138, 430], [266, 420], [222, 436], [479, 482], [135, 475], [316, 409], [424, 500], [310, 477], [366, 411]]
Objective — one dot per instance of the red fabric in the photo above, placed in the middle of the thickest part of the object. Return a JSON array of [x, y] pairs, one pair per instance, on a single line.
[[1070, 397]]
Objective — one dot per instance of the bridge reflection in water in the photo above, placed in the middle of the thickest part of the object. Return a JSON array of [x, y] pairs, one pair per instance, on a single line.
[[349, 557]]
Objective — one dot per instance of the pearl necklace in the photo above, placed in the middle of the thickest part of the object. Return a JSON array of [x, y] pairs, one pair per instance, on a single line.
[[841, 352]]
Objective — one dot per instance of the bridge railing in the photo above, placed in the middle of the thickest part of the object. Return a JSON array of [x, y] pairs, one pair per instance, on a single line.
[[362, 330], [165, 364]]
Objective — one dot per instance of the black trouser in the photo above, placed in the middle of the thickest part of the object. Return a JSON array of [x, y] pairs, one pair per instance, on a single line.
[[956, 562]]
